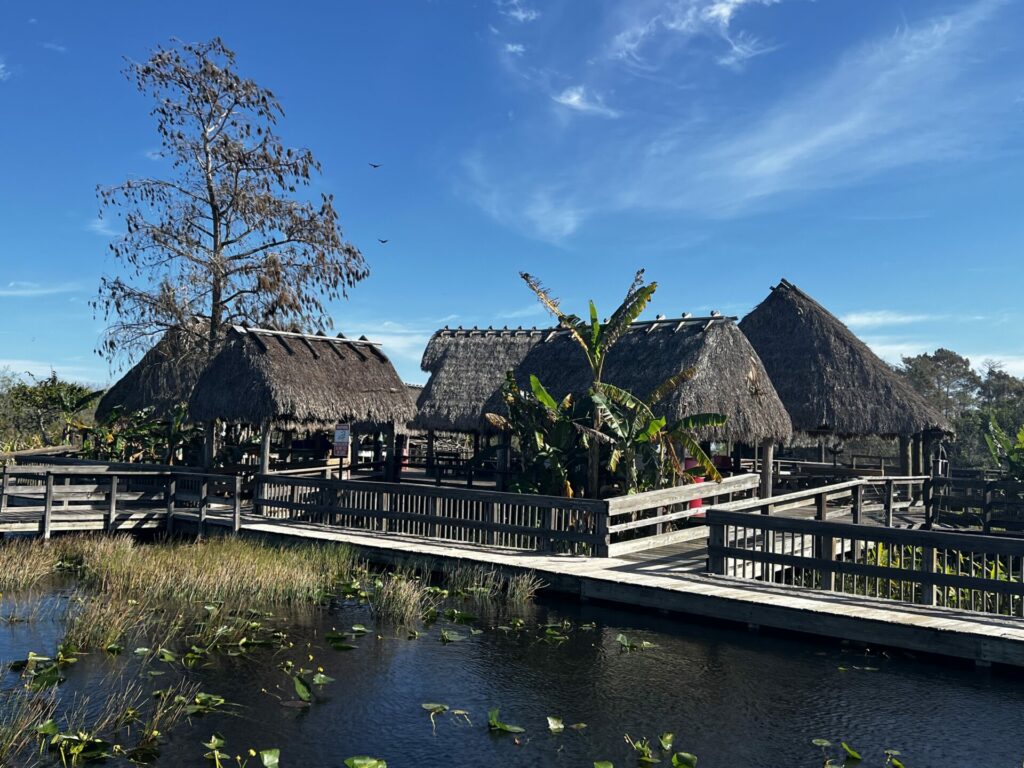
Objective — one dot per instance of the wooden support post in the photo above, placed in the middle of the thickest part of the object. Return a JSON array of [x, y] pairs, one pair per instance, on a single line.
[[172, 492], [888, 502], [767, 467], [916, 455], [716, 538], [504, 462], [828, 554], [821, 506], [391, 463], [906, 462], [603, 539], [265, 431], [257, 494], [544, 533], [430, 451], [48, 506], [204, 495], [928, 591], [930, 505], [236, 524], [986, 510], [3, 491], [112, 507], [401, 441], [492, 535], [858, 503]]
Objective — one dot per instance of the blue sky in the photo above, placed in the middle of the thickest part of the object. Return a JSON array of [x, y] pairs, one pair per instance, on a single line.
[[870, 151]]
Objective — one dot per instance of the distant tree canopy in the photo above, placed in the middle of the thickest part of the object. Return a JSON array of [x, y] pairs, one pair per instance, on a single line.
[[968, 399], [225, 236], [40, 412]]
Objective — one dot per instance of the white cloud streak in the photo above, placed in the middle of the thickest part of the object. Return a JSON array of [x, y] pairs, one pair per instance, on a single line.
[[883, 318], [515, 49], [20, 288], [517, 11], [101, 227], [577, 99], [55, 47], [5, 73]]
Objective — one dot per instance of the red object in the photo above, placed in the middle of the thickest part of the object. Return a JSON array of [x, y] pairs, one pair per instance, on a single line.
[[690, 464]]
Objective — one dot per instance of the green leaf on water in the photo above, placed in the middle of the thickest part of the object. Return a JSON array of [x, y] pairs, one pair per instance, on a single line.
[[555, 724], [270, 758], [363, 761], [321, 679], [603, 764], [496, 725], [666, 740], [684, 760], [302, 689], [359, 629], [850, 751], [823, 743]]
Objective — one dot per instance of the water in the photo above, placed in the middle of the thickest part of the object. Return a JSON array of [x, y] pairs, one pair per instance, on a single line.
[[733, 698]]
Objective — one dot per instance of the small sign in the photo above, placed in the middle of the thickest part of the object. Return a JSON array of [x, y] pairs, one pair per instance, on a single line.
[[342, 438]]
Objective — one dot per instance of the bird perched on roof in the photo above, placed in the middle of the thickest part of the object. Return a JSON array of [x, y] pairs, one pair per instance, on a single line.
[[715, 313]]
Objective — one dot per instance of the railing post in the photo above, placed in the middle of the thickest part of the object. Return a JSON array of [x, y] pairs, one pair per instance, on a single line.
[[858, 503], [492, 535], [172, 492], [716, 539], [204, 492], [928, 568], [112, 507], [986, 512], [889, 501], [3, 491], [602, 538], [236, 520], [48, 505], [826, 556], [257, 495], [821, 506], [928, 496], [544, 530]]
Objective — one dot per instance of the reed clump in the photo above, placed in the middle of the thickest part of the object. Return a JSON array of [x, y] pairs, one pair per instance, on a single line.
[[221, 569], [24, 563], [487, 583], [401, 598], [20, 712]]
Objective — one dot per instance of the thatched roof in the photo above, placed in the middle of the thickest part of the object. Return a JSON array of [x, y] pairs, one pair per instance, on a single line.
[[162, 379], [468, 368], [828, 378], [295, 379]]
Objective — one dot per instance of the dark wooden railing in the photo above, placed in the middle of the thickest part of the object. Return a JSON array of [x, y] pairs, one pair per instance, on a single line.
[[956, 570], [78, 497], [519, 521], [992, 505], [663, 517]]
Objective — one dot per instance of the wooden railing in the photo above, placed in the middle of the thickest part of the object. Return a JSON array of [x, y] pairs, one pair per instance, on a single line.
[[81, 495], [956, 570], [992, 505], [881, 496], [519, 521], [660, 518]]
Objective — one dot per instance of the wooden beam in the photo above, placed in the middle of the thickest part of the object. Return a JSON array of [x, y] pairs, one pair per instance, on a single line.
[[767, 466]]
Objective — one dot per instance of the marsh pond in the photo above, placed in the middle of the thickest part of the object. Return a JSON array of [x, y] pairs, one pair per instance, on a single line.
[[235, 652]]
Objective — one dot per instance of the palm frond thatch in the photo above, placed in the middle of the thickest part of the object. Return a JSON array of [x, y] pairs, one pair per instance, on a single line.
[[295, 379], [161, 380], [468, 367], [828, 379]]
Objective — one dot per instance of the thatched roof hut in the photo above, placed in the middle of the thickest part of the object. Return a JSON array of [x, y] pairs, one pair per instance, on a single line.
[[468, 368], [828, 379], [161, 380], [293, 379]]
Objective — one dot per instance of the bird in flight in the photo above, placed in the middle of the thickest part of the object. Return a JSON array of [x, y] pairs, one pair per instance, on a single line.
[[375, 165], [382, 242]]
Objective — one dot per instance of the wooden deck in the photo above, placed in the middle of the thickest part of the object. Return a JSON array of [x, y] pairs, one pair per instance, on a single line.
[[668, 578]]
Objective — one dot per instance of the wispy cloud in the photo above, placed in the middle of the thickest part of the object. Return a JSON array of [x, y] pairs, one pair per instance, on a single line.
[[883, 318], [516, 49], [101, 227], [674, 23], [893, 348], [900, 99], [528, 310], [576, 98], [5, 73], [517, 11], [24, 288], [55, 47], [153, 154]]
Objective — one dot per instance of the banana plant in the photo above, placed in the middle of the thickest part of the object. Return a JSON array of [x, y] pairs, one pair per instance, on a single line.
[[643, 449], [1007, 452], [596, 340]]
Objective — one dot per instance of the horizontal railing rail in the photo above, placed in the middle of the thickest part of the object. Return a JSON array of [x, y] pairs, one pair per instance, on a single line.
[[956, 570], [519, 521]]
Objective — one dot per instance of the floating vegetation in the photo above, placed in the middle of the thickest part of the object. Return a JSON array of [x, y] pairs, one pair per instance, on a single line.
[[496, 724]]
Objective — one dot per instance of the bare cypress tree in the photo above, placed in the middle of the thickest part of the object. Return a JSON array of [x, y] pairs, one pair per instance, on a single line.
[[229, 236]]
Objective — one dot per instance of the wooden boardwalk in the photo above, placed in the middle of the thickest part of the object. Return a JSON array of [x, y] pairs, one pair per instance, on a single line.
[[669, 578]]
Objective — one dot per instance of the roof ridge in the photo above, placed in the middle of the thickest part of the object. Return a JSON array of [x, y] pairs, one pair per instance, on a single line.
[[244, 330]]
